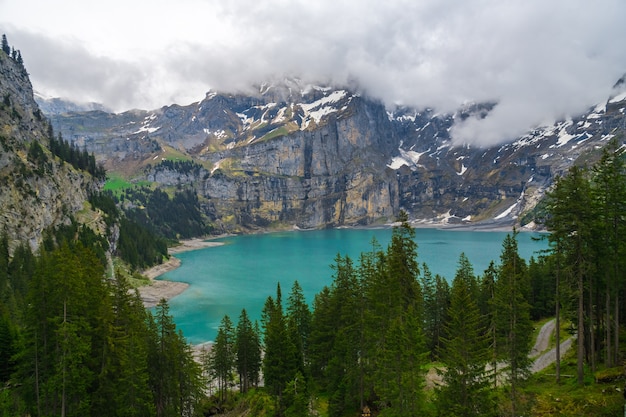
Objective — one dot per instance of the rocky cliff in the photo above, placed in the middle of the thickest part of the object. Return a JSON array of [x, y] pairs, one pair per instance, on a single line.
[[36, 189], [310, 157]]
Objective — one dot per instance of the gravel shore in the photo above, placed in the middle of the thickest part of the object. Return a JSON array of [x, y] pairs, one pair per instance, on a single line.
[[158, 289]]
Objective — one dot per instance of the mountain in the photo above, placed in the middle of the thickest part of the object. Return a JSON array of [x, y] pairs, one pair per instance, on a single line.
[[296, 155], [37, 189], [56, 105]]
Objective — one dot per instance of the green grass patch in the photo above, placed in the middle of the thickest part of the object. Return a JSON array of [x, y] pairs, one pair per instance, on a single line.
[[116, 183], [172, 154], [133, 278], [281, 131], [570, 399]]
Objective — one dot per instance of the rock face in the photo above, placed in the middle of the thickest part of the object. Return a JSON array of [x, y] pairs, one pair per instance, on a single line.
[[36, 189], [295, 155]]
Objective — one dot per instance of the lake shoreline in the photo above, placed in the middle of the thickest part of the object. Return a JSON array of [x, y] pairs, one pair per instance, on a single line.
[[159, 289]]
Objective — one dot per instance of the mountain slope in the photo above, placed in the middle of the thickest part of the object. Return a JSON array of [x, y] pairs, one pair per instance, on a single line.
[[37, 190], [311, 156]]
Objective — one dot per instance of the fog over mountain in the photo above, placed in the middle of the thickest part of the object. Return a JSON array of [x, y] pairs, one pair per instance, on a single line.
[[539, 61]]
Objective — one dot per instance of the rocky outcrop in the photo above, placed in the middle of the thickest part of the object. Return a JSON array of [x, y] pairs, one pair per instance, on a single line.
[[36, 189]]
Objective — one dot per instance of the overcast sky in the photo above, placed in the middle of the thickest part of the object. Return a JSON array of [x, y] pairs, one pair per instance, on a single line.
[[539, 59]]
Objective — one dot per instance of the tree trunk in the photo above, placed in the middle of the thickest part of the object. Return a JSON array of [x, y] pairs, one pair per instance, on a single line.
[[607, 338], [592, 332], [558, 328], [616, 328], [581, 330]]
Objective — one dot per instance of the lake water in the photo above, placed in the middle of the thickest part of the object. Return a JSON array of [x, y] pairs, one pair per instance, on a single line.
[[245, 270]]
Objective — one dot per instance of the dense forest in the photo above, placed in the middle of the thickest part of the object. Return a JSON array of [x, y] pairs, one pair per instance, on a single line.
[[75, 339], [173, 218]]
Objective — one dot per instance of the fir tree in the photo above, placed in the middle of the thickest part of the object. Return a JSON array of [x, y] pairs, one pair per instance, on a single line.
[[609, 193], [513, 324], [5, 45], [280, 361], [248, 353], [465, 390], [222, 359], [299, 323], [570, 223], [395, 319]]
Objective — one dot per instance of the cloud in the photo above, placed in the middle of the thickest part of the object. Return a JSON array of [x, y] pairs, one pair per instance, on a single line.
[[538, 60]]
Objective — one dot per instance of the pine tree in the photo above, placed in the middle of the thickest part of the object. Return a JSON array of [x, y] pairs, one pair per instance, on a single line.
[[63, 331], [513, 324], [343, 370], [570, 223], [436, 302], [174, 374], [280, 361], [609, 192], [248, 353], [489, 315], [5, 45], [321, 337], [299, 323], [395, 324], [223, 357], [465, 390], [131, 396]]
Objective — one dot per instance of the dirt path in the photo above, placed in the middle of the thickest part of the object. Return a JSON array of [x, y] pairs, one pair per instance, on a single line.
[[544, 359], [548, 358], [543, 338], [543, 356]]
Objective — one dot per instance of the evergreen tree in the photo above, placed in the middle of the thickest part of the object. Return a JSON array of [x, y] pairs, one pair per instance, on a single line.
[[248, 353], [299, 323], [436, 302], [280, 360], [489, 315], [394, 318], [297, 397], [5, 45], [174, 374], [513, 324], [8, 346], [609, 193], [63, 332], [223, 356], [465, 389], [342, 370], [570, 223], [127, 370]]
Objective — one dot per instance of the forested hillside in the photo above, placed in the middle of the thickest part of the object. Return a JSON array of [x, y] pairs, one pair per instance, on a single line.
[[75, 339]]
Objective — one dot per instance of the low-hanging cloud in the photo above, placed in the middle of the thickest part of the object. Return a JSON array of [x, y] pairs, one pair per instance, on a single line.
[[538, 60]]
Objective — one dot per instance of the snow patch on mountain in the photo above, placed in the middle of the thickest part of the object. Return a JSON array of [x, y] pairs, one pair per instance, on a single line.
[[409, 158], [316, 110], [618, 98]]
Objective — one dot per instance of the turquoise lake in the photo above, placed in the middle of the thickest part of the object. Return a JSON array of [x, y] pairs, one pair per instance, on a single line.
[[244, 271]]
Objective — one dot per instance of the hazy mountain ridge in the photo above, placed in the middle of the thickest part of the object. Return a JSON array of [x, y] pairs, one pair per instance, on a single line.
[[312, 156], [56, 105]]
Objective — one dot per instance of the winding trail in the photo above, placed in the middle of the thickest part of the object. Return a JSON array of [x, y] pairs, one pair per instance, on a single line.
[[542, 356], [545, 359]]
